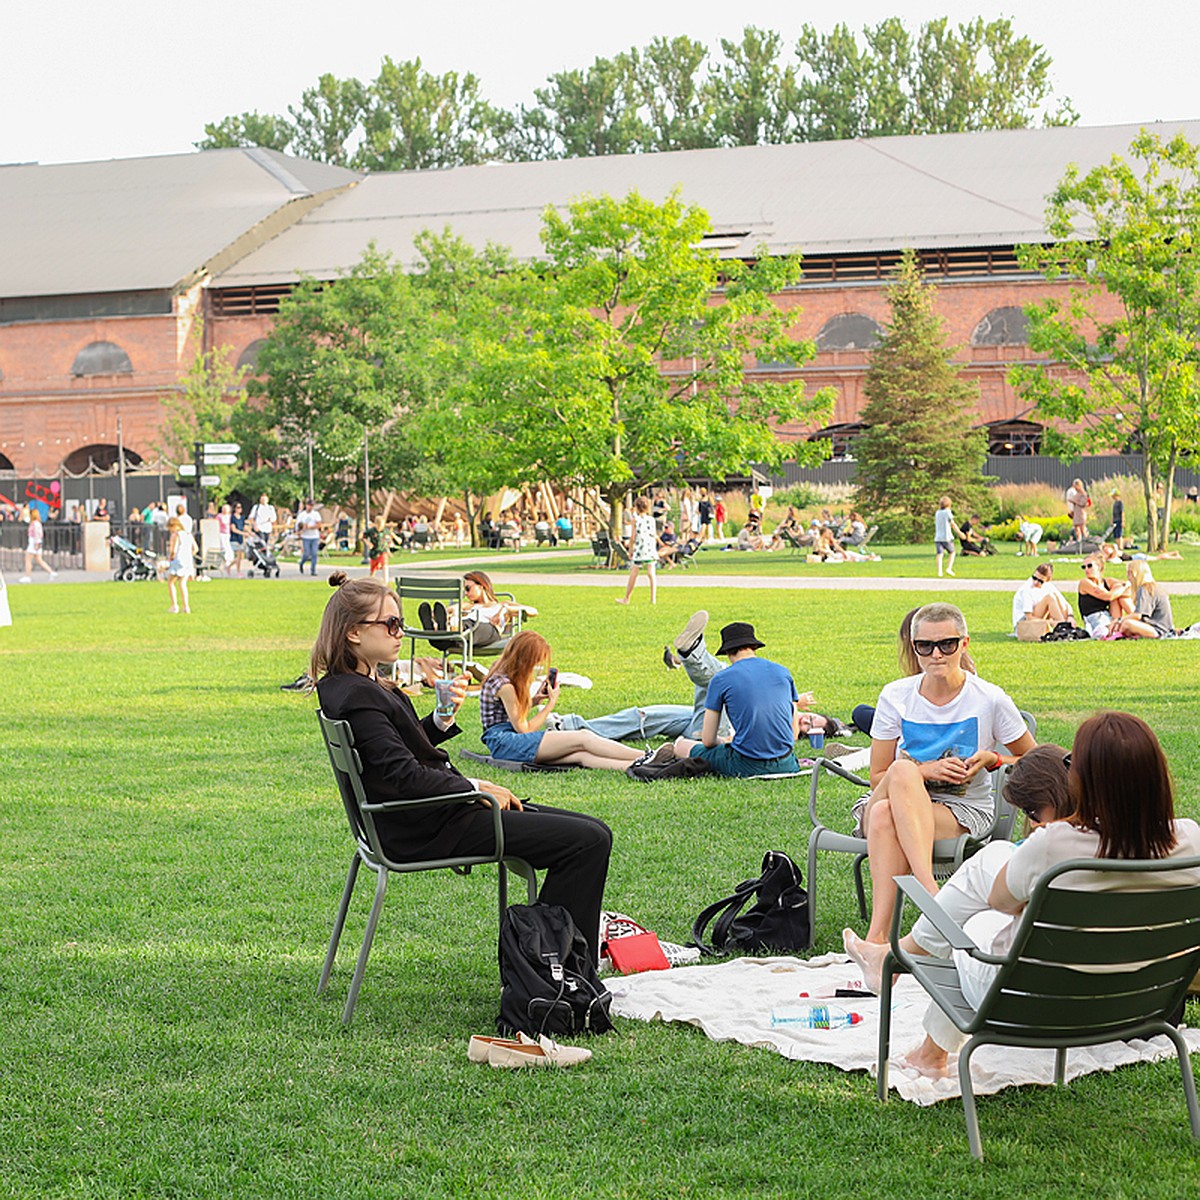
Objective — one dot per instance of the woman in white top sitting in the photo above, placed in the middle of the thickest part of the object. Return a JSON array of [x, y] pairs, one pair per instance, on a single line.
[[932, 740], [1121, 807]]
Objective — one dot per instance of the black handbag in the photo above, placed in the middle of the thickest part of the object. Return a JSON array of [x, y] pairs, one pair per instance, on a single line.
[[778, 918]]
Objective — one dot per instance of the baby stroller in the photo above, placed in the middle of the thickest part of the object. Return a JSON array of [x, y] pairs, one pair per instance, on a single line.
[[135, 563], [260, 556]]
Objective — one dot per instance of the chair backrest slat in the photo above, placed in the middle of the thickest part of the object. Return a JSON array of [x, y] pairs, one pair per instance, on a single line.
[[1101, 1007], [1117, 909], [347, 771]]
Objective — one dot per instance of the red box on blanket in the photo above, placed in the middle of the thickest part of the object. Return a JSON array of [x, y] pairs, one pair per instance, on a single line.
[[638, 952]]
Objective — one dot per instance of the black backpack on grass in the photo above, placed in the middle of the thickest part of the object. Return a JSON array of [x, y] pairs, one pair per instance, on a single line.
[[548, 981]]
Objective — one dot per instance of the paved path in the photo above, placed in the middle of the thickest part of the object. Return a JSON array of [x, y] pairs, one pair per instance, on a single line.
[[507, 572]]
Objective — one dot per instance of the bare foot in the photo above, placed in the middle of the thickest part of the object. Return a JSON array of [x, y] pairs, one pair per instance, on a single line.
[[927, 1059], [868, 956], [621, 600]]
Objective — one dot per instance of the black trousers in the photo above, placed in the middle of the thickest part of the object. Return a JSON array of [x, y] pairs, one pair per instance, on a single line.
[[572, 848]]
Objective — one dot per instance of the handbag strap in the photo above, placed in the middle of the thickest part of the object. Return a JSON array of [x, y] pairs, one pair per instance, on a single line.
[[729, 907]]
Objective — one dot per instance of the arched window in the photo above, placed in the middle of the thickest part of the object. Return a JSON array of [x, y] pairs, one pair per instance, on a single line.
[[102, 358], [1002, 327], [248, 359], [1010, 438], [842, 436], [849, 331], [101, 456]]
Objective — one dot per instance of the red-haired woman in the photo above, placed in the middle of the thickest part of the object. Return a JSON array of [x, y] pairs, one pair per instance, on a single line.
[[514, 725]]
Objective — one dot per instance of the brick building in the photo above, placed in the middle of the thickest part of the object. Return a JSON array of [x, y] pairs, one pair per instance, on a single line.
[[105, 267]]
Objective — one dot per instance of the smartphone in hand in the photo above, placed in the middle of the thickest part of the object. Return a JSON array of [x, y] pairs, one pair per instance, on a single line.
[[552, 676]]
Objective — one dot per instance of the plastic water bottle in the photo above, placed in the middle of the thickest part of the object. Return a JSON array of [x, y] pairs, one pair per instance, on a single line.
[[816, 1016]]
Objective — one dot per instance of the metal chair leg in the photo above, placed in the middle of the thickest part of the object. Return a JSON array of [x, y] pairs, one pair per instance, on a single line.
[[339, 924], [1060, 1066], [360, 967], [1189, 1080], [858, 883], [968, 1098], [812, 879]]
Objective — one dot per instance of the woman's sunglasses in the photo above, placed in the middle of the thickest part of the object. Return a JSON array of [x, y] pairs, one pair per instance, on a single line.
[[945, 645], [393, 625]]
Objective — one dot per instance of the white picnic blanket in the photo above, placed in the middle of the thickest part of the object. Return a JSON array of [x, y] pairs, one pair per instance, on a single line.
[[734, 1001]]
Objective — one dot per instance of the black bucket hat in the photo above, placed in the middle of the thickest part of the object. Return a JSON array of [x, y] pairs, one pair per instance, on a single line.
[[738, 636]]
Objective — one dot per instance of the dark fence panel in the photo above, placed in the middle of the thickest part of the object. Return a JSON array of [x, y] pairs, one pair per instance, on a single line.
[[1030, 468]]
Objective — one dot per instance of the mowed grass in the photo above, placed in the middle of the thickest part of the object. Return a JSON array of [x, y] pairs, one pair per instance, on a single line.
[[172, 856], [896, 562]]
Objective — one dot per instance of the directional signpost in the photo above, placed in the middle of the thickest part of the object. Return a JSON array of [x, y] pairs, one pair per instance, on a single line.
[[209, 454]]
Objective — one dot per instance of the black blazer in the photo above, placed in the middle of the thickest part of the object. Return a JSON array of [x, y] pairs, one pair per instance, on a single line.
[[402, 759]]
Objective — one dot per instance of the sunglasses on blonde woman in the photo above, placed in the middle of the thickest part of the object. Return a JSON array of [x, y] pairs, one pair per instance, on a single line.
[[945, 645]]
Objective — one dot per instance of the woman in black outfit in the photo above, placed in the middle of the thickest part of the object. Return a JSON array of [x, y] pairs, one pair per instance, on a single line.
[[402, 759]]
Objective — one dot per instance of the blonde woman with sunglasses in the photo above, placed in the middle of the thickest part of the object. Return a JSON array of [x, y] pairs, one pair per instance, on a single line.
[[932, 742]]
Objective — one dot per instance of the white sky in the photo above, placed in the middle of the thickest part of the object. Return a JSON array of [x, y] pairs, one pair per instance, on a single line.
[[81, 80]]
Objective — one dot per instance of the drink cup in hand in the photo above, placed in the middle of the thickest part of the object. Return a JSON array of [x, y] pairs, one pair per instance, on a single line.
[[443, 690]]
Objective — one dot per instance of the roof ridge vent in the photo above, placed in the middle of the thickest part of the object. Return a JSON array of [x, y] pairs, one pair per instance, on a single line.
[[275, 169]]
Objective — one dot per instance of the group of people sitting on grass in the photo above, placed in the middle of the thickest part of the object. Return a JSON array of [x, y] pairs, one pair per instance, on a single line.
[[1134, 607], [936, 733]]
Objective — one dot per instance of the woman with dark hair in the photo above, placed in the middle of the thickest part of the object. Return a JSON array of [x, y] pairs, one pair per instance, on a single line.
[[514, 717], [1120, 806], [402, 759]]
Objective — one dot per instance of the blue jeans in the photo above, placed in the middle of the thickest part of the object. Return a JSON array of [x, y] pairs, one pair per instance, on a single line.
[[308, 553], [661, 720]]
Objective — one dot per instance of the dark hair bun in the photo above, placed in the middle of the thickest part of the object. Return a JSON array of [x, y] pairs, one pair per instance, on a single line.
[[338, 578]]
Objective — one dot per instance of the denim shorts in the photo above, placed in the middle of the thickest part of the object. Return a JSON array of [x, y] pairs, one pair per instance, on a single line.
[[725, 760], [503, 741]]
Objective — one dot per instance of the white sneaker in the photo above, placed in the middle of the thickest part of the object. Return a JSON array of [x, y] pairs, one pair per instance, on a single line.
[[24, 579], [693, 631], [53, 574]]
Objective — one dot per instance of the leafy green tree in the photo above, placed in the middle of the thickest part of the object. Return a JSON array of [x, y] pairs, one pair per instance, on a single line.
[[343, 363], [202, 409], [946, 79], [1122, 346], [414, 120], [613, 364], [592, 112], [328, 120], [248, 129], [919, 443], [668, 83], [749, 88]]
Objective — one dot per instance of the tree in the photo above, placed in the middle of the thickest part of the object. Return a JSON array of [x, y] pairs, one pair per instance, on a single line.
[[328, 120], [748, 89], [591, 112], [1122, 346], [415, 121], [615, 364], [980, 75], [668, 83], [343, 364], [248, 129], [202, 410], [919, 443]]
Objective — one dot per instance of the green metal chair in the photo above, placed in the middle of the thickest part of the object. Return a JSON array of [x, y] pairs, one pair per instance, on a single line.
[[347, 770], [948, 853], [415, 590], [1084, 968]]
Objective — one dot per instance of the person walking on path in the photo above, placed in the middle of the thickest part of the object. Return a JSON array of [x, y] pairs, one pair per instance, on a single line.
[[262, 518], [944, 532], [182, 553], [1078, 503], [308, 522], [33, 548], [643, 551]]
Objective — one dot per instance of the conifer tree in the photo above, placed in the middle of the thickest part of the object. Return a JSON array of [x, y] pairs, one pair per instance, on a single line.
[[919, 444]]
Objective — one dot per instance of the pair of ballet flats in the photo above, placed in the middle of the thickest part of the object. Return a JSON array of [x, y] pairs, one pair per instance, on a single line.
[[524, 1052]]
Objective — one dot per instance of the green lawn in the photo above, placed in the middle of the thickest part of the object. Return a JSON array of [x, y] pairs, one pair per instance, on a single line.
[[173, 853], [895, 562]]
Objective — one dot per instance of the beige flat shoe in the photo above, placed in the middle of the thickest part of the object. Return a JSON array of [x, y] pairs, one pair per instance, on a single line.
[[478, 1047], [525, 1052]]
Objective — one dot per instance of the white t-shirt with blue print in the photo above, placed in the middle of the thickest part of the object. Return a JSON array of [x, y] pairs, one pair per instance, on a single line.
[[978, 717]]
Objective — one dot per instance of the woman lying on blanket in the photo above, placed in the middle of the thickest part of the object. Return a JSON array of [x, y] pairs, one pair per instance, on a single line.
[[931, 751], [514, 726], [1119, 806]]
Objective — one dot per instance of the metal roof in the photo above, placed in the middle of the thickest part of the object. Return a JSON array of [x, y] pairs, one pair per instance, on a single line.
[[946, 190], [144, 223]]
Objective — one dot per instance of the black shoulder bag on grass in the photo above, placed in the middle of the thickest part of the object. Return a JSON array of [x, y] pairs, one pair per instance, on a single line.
[[777, 919]]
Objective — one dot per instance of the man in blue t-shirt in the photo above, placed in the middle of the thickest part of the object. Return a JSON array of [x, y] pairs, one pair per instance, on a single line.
[[759, 698]]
